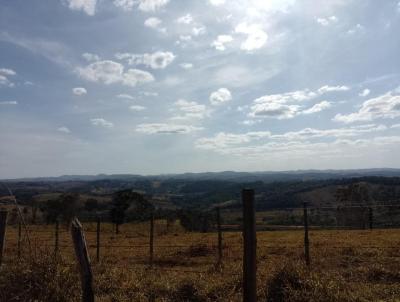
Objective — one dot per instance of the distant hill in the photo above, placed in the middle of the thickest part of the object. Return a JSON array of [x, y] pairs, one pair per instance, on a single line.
[[266, 176]]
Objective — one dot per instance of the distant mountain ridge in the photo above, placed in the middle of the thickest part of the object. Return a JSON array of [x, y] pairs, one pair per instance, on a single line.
[[266, 176]]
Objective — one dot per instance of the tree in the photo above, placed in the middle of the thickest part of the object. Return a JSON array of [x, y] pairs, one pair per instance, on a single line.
[[91, 204], [196, 221], [139, 208]]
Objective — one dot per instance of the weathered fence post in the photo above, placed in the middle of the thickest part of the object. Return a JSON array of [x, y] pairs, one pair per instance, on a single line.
[[306, 240], [98, 240], [219, 237], [56, 239], [371, 218], [82, 255], [19, 238], [151, 240], [250, 247], [3, 225]]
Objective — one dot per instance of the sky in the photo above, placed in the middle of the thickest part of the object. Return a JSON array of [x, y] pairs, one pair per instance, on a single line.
[[172, 86]]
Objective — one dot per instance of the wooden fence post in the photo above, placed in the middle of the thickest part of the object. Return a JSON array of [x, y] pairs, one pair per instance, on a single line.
[[219, 237], [250, 247], [56, 239], [371, 218], [19, 238], [82, 255], [3, 225], [151, 240], [98, 240], [306, 240]]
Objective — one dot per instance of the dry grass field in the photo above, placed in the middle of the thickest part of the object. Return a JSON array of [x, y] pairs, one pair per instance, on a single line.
[[356, 265]]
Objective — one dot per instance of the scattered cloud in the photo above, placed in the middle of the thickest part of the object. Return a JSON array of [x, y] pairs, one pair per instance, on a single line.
[[137, 108], [220, 42], [64, 129], [110, 72], [8, 103], [100, 122], [318, 107], [356, 29], [143, 5], [186, 65], [327, 21], [190, 110], [7, 72], [149, 93], [365, 92], [79, 91], [217, 2], [163, 128], [125, 96], [156, 60], [4, 74], [326, 88], [155, 23], [222, 95], [384, 106], [151, 5], [90, 57], [199, 30], [87, 6], [186, 19], [256, 36], [285, 105]]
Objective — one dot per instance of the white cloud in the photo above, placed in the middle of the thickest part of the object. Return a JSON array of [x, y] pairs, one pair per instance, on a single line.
[[4, 80], [79, 91], [198, 30], [125, 96], [149, 93], [256, 36], [87, 6], [284, 105], [126, 5], [7, 72], [156, 60], [356, 29], [186, 19], [64, 129], [326, 88], [152, 22], [327, 21], [110, 72], [162, 128], [101, 123], [8, 103], [307, 142], [222, 95], [384, 106], [217, 2], [318, 107], [143, 5], [190, 110], [90, 57], [152, 5], [220, 42], [137, 108], [365, 92], [186, 65]]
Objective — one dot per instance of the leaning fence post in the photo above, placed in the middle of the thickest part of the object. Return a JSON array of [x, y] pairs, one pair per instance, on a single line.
[[3, 225], [250, 246], [151, 239], [371, 218], [19, 238], [219, 237], [98, 240], [306, 240], [82, 255], [56, 239]]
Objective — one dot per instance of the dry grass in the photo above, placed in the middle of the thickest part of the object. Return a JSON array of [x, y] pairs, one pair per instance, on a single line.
[[346, 266]]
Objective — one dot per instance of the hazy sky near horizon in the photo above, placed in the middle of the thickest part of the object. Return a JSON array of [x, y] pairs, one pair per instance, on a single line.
[[170, 86]]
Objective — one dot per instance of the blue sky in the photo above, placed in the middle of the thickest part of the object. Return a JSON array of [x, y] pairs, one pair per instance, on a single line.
[[169, 86]]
